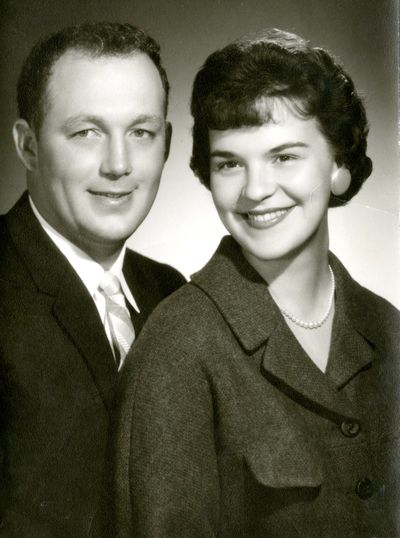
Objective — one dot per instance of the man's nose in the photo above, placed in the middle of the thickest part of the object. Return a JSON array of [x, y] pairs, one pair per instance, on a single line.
[[259, 183], [116, 159]]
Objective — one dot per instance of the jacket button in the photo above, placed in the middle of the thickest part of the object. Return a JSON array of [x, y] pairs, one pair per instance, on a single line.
[[350, 428], [365, 488]]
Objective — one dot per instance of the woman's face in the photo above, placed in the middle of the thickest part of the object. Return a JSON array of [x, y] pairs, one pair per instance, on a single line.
[[271, 184]]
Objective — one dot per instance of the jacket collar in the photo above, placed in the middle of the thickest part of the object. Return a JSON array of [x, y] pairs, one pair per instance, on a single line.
[[242, 297], [72, 307], [240, 294]]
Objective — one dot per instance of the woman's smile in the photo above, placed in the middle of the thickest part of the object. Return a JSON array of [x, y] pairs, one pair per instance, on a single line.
[[267, 218]]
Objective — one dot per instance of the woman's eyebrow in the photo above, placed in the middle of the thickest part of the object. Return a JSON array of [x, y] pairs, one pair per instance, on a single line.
[[289, 145], [223, 154]]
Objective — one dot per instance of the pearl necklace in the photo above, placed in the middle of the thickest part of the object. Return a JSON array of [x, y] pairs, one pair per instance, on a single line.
[[313, 324]]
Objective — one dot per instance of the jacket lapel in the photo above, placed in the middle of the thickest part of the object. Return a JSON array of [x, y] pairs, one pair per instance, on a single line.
[[286, 365], [352, 347], [145, 287], [244, 301], [73, 307], [139, 288], [76, 313], [240, 294]]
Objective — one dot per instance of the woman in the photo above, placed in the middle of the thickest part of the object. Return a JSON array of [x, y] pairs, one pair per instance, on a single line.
[[262, 399]]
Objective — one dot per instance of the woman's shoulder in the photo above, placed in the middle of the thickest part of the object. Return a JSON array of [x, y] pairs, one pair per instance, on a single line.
[[176, 343], [187, 306], [373, 305], [368, 311], [185, 321]]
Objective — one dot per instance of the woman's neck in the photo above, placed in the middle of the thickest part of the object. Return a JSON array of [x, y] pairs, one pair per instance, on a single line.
[[301, 282]]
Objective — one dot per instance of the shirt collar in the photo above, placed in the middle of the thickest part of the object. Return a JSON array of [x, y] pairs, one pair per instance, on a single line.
[[88, 270]]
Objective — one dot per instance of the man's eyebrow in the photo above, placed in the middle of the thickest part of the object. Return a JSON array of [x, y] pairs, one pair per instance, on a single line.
[[73, 120], [143, 118], [83, 118]]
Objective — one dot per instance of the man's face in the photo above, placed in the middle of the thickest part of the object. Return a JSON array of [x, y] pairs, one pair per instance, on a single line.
[[101, 148]]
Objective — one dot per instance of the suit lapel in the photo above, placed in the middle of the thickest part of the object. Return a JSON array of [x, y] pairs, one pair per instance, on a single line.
[[76, 313], [73, 307], [144, 288], [139, 290]]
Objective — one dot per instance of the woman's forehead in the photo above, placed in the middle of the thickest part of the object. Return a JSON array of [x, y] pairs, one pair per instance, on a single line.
[[259, 111]]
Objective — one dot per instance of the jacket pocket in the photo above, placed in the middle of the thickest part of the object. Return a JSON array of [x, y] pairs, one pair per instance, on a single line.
[[280, 481], [293, 462]]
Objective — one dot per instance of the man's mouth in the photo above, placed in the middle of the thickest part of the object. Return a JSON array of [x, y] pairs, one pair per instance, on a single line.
[[110, 194]]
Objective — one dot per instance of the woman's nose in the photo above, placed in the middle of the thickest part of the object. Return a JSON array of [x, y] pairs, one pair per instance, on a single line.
[[116, 159], [259, 183]]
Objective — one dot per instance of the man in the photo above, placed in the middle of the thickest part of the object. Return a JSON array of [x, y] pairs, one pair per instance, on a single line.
[[93, 137]]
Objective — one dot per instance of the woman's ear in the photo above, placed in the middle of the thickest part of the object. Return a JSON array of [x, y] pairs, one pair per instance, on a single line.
[[340, 181], [25, 144]]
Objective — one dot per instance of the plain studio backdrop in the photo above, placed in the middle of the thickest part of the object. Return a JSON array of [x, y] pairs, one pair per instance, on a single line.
[[183, 228]]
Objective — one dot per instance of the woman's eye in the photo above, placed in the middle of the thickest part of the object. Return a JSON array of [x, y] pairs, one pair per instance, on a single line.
[[284, 157], [228, 165]]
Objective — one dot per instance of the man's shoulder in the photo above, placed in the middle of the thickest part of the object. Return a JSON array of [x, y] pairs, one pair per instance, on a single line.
[[24, 246], [149, 270], [12, 269]]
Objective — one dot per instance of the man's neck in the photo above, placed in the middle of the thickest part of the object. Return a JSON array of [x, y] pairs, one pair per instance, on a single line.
[[104, 255]]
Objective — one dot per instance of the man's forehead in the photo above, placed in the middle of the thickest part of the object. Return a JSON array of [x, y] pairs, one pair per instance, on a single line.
[[75, 58], [104, 81]]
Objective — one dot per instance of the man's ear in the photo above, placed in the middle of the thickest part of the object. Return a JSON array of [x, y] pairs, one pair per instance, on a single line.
[[168, 136], [25, 144]]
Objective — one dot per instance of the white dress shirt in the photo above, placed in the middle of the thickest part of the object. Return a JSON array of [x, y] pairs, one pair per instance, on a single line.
[[88, 270]]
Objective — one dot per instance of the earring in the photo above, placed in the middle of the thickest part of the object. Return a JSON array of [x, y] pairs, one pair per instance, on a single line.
[[340, 181]]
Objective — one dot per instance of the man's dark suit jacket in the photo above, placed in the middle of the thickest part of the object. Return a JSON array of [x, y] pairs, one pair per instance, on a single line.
[[227, 429], [57, 374]]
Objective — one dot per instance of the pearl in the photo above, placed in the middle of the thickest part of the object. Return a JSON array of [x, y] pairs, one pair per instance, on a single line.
[[313, 324]]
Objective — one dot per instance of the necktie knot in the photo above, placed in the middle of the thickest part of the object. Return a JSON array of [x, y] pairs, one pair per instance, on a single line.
[[110, 284]]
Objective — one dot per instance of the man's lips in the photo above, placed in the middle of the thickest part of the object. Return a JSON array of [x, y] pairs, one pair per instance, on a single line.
[[110, 194], [111, 199]]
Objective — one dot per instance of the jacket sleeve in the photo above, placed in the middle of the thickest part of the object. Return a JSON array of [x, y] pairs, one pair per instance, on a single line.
[[165, 476]]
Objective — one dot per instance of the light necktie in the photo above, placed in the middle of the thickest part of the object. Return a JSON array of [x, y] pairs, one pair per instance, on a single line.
[[119, 320]]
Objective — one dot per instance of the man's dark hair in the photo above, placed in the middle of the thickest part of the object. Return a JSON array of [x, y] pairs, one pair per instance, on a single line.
[[93, 39], [237, 85]]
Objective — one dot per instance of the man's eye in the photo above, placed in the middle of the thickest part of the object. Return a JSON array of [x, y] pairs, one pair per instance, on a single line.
[[85, 133], [142, 133]]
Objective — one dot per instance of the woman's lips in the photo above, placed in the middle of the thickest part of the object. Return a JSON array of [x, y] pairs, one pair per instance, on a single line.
[[266, 219]]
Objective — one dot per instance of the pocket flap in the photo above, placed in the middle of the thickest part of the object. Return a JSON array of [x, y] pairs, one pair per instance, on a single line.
[[293, 463]]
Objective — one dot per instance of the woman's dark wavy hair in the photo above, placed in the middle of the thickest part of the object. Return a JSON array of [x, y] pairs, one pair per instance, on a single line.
[[234, 81]]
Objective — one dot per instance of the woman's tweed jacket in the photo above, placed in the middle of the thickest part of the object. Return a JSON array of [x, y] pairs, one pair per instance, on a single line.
[[225, 428]]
